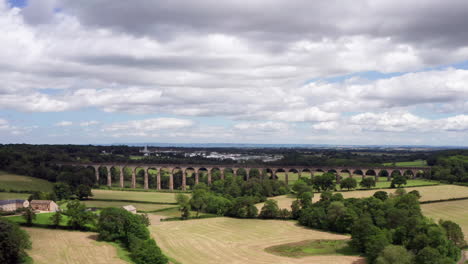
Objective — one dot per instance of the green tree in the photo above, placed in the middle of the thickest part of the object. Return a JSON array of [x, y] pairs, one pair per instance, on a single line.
[[348, 183], [393, 254], [78, 216], [301, 187], [306, 199], [56, 218], [62, 191], [83, 192], [398, 181], [13, 243], [199, 197], [296, 209], [184, 205], [270, 210], [119, 224], [324, 182], [376, 243], [368, 182], [381, 195], [454, 233], [29, 215]]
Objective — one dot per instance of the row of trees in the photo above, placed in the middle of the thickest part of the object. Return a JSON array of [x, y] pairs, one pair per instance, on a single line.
[[230, 197], [327, 182]]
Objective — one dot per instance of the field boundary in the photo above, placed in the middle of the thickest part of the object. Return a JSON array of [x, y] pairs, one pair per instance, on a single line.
[[444, 200]]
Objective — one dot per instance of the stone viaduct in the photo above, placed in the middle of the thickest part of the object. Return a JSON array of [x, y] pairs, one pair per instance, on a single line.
[[263, 170]]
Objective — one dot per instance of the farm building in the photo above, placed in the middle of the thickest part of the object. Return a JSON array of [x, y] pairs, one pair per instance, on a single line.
[[44, 205], [130, 208], [13, 205]]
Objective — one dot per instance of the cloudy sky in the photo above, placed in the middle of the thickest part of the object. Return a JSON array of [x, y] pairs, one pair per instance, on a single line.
[[260, 71]]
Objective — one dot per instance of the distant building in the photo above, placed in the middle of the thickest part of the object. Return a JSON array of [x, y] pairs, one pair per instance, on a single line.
[[145, 151], [130, 208], [44, 205], [13, 205]]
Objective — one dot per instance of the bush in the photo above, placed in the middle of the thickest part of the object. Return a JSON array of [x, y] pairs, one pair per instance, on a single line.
[[270, 210]]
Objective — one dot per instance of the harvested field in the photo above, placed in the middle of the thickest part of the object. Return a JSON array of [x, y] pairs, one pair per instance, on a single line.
[[428, 193], [70, 247], [456, 211], [229, 240], [155, 197], [139, 206]]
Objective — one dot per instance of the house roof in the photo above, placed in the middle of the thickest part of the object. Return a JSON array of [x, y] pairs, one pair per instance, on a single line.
[[41, 202], [129, 207], [4, 202]]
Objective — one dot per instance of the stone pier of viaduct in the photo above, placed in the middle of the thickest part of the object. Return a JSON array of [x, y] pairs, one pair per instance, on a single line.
[[263, 170]]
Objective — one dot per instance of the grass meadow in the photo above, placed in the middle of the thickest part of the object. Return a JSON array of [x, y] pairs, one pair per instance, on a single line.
[[313, 248], [10, 181], [230, 240]]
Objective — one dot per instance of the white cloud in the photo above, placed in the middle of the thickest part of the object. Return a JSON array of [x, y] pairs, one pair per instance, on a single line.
[[389, 121], [256, 127], [64, 123], [455, 123], [89, 123], [331, 125], [147, 127], [4, 124]]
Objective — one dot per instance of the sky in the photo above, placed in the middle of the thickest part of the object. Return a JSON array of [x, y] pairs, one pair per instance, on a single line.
[[362, 72]]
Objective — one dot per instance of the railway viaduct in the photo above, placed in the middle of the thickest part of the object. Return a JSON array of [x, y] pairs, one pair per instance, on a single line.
[[209, 169]]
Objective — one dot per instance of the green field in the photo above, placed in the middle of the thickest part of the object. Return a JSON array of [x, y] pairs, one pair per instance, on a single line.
[[313, 248], [41, 219], [414, 163], [456, 211], [13, 196], [155, 197], [10, 181]]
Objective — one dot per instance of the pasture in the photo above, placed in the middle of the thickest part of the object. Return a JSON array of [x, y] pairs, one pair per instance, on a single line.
[[155, 197], [456, 211], [10, 181], [41, 219], [414, 163], [70, 247], [12, 196], [428, 193], [229, 240]]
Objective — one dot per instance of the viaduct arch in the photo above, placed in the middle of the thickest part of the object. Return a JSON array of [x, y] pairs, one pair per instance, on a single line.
[[209, 169]]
